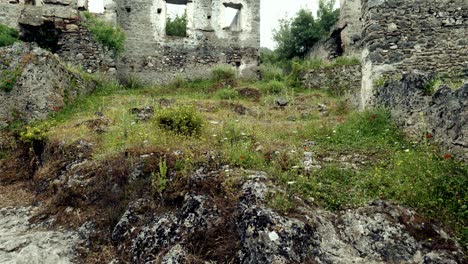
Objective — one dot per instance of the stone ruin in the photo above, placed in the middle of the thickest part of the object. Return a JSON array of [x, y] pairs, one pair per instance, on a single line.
[[212, 36], [404, 44]]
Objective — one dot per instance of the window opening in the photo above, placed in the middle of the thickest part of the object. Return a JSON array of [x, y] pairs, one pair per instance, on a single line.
[[96, 6], [176, 18], [232, 17]]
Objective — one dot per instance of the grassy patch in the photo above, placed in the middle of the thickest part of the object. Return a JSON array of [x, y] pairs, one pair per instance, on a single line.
[[8, 35], [108, 35], [227, 94]]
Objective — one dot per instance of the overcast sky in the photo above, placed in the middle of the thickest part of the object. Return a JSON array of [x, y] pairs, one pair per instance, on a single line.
[[271, 12]]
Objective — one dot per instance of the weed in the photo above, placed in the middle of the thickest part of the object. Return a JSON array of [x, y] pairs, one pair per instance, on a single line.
[[379, 82], [108, 35], [159, 179], [181, 120]]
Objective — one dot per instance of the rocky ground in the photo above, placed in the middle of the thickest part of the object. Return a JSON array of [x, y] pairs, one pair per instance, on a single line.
[[25, 242]]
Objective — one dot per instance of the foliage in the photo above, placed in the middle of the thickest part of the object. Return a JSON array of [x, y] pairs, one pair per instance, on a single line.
[[177, 27], [227, 94], [108, 35], [296, 36], [181, 120], [223, 73], [8, 79], [8, 35], [159, 179]]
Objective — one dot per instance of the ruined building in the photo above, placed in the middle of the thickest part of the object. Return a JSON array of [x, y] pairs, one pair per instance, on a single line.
[[151, 55]]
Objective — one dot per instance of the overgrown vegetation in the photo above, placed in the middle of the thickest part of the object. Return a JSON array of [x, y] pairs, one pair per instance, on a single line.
[[112, 37], [8, 35], [177, 26], [362, 156]]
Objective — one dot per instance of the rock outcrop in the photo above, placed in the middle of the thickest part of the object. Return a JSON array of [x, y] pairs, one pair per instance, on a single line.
[[35, 83], [440, 117], [378, 233]]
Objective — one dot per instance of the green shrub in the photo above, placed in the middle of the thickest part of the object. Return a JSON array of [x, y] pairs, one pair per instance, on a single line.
[[8, 79], [177, 27], [8, 35], [271, 72], [224, 73], [227, 94], [182, 120], [273, 87], [108, 35]]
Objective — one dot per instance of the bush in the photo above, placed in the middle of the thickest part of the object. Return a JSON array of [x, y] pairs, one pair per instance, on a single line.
[[8, 35], [271, 72], [223, 73], [182, 120], [177, 27], [273, 87], [227, 94], [108, 35]]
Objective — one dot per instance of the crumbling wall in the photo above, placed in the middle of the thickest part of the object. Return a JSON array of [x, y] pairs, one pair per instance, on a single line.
[[35, 83], [155, 57], [404, 35], [344, 38]]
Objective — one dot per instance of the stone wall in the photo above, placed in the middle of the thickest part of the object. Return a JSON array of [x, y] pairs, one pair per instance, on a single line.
[[404, 35], [339, 79], [41, 83], [155, 57], [441, 117]]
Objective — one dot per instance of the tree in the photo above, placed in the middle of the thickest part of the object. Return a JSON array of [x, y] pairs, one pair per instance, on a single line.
[[296, 36]]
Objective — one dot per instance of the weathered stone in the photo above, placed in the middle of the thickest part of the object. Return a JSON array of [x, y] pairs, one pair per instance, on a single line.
[[41, 83]]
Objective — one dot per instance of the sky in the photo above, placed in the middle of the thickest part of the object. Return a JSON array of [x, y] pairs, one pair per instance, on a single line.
[[271, 12]]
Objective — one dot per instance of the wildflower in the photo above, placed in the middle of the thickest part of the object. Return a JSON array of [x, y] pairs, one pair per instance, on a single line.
[[242, 157], [428, 136], [340, 119], [8, 81], [447, 156], [372, 118]]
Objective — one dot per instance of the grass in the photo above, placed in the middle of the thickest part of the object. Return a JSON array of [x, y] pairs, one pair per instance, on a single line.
[[8, 35], [385, 164]]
